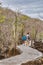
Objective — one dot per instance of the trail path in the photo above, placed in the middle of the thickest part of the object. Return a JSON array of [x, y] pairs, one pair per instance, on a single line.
[[27, 54]]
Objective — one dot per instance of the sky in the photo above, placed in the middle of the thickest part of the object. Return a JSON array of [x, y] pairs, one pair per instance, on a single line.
[[32, 8]]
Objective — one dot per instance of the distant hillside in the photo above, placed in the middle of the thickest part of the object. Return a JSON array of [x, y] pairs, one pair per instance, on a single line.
[[7, 19]]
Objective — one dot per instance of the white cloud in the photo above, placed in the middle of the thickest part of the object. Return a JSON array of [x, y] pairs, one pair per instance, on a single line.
[[32, 8]]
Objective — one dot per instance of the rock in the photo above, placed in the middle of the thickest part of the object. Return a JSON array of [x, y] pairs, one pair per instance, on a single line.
[[38, 61], [38, 46]]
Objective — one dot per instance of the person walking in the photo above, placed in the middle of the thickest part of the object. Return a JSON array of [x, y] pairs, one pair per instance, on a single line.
[[24, 39], [28, 36], [28, 39]]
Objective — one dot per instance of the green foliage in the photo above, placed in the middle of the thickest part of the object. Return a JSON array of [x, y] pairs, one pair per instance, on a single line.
[[10, 20], [33, 33], [2, 18], [24, 17], [41, 35]]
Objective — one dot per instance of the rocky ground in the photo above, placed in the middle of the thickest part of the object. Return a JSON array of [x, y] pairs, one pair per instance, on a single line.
[[9, 53], [38, 61], [39, 46]]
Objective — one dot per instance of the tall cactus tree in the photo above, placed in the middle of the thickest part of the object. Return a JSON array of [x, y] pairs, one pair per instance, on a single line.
[[18, 29], [15, 31]]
